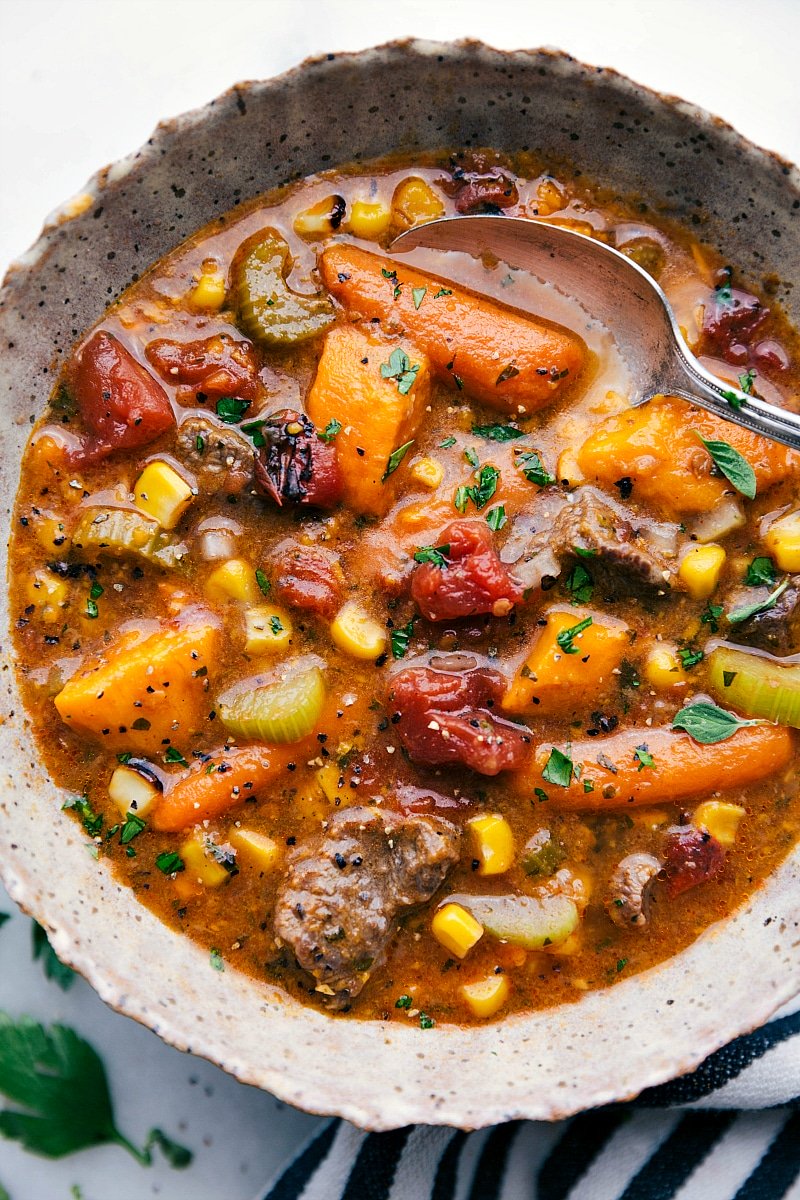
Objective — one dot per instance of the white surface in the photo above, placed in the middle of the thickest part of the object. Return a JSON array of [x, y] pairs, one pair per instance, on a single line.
[[83, 83]]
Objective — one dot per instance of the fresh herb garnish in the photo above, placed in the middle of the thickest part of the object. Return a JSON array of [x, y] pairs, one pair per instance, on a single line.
[[401, 368], [558, 768], [91, 609], [533, 468], [169, 862], [216, 960], [496, 517], [507, 373], [621, 964], [200, 444], [746, 381], [565, 638], [395, 458], [485, 488], [418, 295], [447, 443], [749, 610], [59, 1082], [643, 756], [132, 827], [472, 458], [760, 573], [733, 398], [264, 584], [231, 410], [400, 637], [708, 724], [733, 466], [426, 1022], [711, 616], [275, 625], [690, 658], [461, 498], [443, 291], [253, 430], [173, 755], [52, 965], [580, 583], [435, 555], [92, 821], [392, 277], [585, 551], [498, 433], [724, 291], [540, 794], [96, 590], [403, 1002], [330, 431]]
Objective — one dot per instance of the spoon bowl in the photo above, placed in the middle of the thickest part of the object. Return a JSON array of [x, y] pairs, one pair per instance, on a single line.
[[620, 294]]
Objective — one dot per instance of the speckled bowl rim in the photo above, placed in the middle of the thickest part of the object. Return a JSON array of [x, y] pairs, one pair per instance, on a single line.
[[607, 1047]]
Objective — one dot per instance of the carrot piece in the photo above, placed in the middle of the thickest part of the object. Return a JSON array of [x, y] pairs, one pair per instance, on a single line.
[[376, 416], [506, 359], [681, 768], [655, 446], [211, 788], [552, 679], [143, 693]]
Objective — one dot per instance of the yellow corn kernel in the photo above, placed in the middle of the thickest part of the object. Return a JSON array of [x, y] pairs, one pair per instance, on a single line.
[[427, 471], [415, 201], [700, 569], [331, 780], [162, 494], [549, 197], [369, 220], [255, 848], [267, 630], [50, 533], [132, 792], [485, 997], [209, 291], [233, 580], [201, 867], [720, 819], [663, 668], [354, 631], [456, 929], [321, 219], [48, 593], [783, 541], [492, 843]]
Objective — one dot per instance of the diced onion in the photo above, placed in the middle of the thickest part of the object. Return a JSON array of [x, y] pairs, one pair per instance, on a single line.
[[724, 518]]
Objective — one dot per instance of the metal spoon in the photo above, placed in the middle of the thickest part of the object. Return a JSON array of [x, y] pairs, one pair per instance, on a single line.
[[621, 295]]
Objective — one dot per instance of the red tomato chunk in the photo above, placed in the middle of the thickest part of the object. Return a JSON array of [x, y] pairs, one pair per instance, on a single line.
[[474, 580], [214, 366], [121, 404]]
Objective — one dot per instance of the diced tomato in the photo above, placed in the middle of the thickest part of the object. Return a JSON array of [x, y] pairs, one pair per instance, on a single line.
[[294, 466], [121, 404], [446, 718], [308, 578], [473, 581], [215, 366], [691, 856], [731, 318]]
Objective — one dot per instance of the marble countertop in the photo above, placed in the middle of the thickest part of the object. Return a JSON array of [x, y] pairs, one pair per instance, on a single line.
[[84, 83]]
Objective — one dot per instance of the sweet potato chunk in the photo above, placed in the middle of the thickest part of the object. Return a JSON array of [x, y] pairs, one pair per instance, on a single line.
[[654, 454], [143, 693], [378, 415], [510, 361]]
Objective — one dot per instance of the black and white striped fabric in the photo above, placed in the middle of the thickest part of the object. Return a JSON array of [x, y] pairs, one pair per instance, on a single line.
[[730, 1131]]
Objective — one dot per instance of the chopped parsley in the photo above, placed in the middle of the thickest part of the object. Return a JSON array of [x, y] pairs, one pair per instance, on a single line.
[[132, 827], [733, 466], [643, 756], [498, 433], [275, 625], [400, 638], [401, 368], [426, 1022], [231, 410], [565, 638], [443, 291], [481, 492], [711, 616], [216, 960], [403, 1002], [435, 555], [395, 458], [169, 862], [496, 517], [96, 590], [580, 583], [746, 382], [173, 755], [760, 573], [92, 821], [330, 431], [91, 609], [690, 658], [558, 769], [395, 282], [472, 458], [532, 467], [264, 584], [447, 443]]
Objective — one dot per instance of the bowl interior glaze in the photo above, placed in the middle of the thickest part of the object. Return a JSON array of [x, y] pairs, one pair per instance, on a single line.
[[404, 96]]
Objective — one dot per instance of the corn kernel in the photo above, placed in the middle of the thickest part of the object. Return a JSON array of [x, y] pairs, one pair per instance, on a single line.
[[720, 819], [201, 867], [48, 593], [427, 471], [663, 668], [331, 780], [50, 533], [321, 219], [368, 220], [354, 631], [161, 493], [267, 630], [783, 541], [255, 848], [549, 197], [233, 580], [456, 929], [415, 201], [492, 843], [132, 792], [700, 569], [485, 997], [209, 291]]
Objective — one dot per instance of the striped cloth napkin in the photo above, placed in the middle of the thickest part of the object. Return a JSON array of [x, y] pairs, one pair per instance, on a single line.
[[730, 1131]]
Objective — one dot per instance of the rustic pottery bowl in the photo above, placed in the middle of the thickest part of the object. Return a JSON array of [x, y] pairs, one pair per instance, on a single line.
[[610, 1044]]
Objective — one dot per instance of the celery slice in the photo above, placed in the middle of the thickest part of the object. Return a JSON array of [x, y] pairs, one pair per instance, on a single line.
[[758, 685], [125, 531], [530, 921], [284, 710]]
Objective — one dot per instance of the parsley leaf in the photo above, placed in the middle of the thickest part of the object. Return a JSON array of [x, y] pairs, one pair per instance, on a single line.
[[132, 827], [216, 960], [173, 755], [418, 295], [461, 499], [486, 486], [496, 517], [231, 410], [472, 458], [400, 638], [558, 768], [447, 443], [426, 1022], [400, 367], [760, 573], [533, 468], [264, 584], [395, 458], [497, 433], [330, 431], [733, 466], [96, 590], [395, 282], [92, 821], [566, 636], [734, 399], [253, 429], [435, 555], [749, 610], [443, 291], [643, 756], [275, 625], [580, 583], [59, 1084], [746, 381], [403, 1002], [690, 658], [91, 609], [52, 965], [711, 615], [169, 862], [708, 724]]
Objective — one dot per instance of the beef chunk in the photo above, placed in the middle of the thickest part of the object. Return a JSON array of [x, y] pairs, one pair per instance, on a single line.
[[220, 458], [309, 578], [338, 905], [778, 628], [691, 856]]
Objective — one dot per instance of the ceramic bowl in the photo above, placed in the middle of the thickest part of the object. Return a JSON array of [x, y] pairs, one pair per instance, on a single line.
[[410, 95]]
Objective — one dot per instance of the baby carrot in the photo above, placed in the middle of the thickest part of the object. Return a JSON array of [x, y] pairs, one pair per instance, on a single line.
[[212, 787], [510, 361]]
